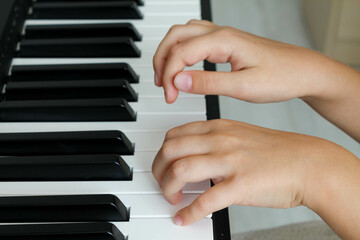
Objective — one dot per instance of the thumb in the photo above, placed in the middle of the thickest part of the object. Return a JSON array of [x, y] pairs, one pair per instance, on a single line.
[[209, 83]]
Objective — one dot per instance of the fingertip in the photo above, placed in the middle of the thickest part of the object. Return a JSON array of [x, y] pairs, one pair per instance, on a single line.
[[178, 220], [171, 95], [183, 81], [183, 217], [176, 198]]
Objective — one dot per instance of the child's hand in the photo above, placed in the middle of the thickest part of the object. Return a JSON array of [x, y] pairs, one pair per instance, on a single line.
[[262, 70], [250, 165]]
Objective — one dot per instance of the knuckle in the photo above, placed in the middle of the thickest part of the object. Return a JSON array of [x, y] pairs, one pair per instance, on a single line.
[[174, 28], [203, 203], [166, 150], [171, 133], [217, 123], [222, 124], [176, 49], [208, 83], [192, 21], [179, 168], [227, 124], [155, 59], [225, 32]]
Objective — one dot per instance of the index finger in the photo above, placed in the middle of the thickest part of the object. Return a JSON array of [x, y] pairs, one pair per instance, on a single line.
[[205, 47], [176, 35]]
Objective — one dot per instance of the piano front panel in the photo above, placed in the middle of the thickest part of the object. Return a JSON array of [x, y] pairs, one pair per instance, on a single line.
[[150, 214]]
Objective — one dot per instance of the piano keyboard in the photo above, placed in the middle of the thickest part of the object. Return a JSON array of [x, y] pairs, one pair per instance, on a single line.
[[81, 122]]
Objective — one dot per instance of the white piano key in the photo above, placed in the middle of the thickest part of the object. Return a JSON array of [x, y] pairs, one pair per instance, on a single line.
[[146, 141], [140, 229], [144, 61], [152, 32], [147, 73], [154, 105], [170, 8], [141, 161], [142, 183], [153, 205], [149, 46], [147, 21], [146, 122], [167, 1], [148, 89], [159, 228]]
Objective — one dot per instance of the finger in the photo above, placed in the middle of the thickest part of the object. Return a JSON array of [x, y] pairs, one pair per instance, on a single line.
[[187, 170], [187, 53], [214, 199], [177, 148], [176, 34], [192, 128], [239, 84], [202, 22]]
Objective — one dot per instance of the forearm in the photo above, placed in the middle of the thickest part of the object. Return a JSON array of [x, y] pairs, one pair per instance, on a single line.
[[334, 191], [338, 100]]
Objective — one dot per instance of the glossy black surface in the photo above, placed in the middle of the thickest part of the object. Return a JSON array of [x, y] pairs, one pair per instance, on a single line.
[[63, 72], [82, 31], [83, 89], [86, 10], [79, 47], [12, 16], [73, 110], [139, 2], [65, 143], [76, 231], [62, 208], [102, 167]]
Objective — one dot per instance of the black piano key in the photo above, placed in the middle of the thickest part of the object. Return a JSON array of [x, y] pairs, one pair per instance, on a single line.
[[83, 89], [82, 31], [103, 167], [66, 110], [79, 47], [63, 72], [65, 143], [69, 231], [86, 10], [65, 208], [138, 2]]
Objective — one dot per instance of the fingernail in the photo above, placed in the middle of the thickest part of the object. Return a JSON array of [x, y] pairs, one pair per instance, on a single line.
[[156, 79], [177, 220], [183, 82]]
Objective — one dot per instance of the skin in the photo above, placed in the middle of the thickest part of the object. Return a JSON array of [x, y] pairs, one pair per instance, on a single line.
[[252, 165]]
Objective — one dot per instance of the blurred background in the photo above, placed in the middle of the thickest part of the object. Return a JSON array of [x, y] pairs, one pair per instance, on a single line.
[[330, 26]]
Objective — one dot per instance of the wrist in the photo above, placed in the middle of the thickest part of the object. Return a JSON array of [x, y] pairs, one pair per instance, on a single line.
[[332, 188], [330, 80], [324, 171]]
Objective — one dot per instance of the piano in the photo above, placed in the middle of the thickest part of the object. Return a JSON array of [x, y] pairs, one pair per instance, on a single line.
[[81, 121]]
